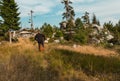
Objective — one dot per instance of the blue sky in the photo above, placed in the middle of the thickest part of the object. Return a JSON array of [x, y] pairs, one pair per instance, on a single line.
[[50, 11]]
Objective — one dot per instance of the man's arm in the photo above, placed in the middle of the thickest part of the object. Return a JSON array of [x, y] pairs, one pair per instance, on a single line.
[[35, 37], [44, 37]]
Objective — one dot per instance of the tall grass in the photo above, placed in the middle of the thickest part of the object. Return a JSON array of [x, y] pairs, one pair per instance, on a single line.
[[90, 63], [105, 67], [24, 63], [24, 68]]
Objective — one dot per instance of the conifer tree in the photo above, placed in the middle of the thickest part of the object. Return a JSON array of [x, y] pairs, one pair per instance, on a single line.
[[85, 18], [98, 22], [10, 15], [69, 13], [94, 20], [79, 23], [109, 26]]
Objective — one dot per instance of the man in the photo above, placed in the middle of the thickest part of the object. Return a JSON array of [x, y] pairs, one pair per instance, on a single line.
[[40, 39]]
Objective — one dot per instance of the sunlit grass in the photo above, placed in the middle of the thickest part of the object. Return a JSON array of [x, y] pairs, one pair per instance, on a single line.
[[53, 64]]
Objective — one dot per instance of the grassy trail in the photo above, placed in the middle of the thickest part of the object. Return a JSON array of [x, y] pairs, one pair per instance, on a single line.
[[57, 63]]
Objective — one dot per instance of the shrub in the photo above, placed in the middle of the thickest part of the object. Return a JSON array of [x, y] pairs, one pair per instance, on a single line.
[[58, 34], [80, 37], [67, 37], [51, 40], [47, 30]]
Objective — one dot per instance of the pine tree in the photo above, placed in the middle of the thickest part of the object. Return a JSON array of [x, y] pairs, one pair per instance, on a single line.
[[117, 31], [70, 25], [94, 20], [109, 26], [10, 15], [85, 18], [79, 23], [69, 13], [69, 16], [98, 22]]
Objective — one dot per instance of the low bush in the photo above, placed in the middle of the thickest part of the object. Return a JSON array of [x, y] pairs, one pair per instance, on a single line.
[[81, 36], [58, 34]]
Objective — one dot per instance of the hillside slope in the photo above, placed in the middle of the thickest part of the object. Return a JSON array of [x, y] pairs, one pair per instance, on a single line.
[[22, 61]]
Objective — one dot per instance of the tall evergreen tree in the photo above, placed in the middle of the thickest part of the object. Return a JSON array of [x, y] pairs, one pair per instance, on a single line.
[[69, 13], [94, 19], [109, 26], [69, 16], [117, 31], [98, 22], [117, 26], [10, 15], [70, 25], [85, 18]]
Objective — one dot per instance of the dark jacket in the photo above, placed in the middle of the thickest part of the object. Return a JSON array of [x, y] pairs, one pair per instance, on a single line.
[[39, 38]]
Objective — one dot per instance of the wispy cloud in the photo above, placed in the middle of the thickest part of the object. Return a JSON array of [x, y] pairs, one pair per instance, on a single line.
[[39, 7], [105, 10]]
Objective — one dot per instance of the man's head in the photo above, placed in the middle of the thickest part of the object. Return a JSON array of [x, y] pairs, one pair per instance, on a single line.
[[38, 31]]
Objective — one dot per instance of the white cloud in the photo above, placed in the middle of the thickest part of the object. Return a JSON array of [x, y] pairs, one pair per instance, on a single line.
[[39, 7], [82, 1], [104, 9]]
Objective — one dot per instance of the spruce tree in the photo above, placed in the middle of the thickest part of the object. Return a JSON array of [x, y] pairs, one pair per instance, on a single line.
[[98, 22], [109, 26], [69, 13], [10, 15], [85, 18], [94, 20], [79, 23]]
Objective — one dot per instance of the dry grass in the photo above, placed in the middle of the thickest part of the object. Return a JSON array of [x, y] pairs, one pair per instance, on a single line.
[[28, 47], [20, 52], [89, 50], [23, 47]]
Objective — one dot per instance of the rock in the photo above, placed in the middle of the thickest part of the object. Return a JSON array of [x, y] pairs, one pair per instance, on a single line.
[[56, 41], [61, 38], [111, 44], [74, 46], [109, 37], [46, 41]]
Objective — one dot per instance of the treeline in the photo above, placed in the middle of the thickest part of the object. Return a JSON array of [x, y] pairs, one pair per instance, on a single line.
[[115, 30], [77, 30], [80, 31]]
